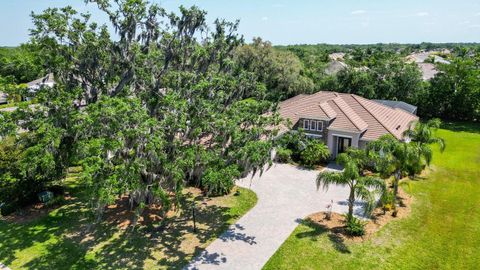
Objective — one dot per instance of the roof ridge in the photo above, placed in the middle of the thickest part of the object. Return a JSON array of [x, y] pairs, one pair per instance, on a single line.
[[346, 114], [374, 116]]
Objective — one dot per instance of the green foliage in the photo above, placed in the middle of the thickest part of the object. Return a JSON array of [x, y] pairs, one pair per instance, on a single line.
[[314, 153], [442, 204], [380, 71], [164, 104], [397, 158], [454, 93], [387, 201], [361, 187], [219, 181], [56, 201], [22, 64], [296, 141], [281, 71], [283, 155], [354, 226]]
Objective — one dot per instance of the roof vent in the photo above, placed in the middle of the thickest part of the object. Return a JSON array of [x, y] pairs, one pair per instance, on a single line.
[[398, 127]]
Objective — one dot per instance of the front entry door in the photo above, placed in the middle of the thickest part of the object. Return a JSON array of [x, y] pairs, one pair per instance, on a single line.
[[343, 144]]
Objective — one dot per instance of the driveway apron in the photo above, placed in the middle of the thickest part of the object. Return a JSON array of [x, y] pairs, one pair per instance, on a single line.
[[286, 194]]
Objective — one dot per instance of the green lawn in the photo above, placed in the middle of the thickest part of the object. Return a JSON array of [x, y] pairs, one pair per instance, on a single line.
[[442, 232], [65, 239]]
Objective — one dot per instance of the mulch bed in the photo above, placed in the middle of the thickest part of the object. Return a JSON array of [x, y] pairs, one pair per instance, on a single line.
[[32, 212], [336, 224]]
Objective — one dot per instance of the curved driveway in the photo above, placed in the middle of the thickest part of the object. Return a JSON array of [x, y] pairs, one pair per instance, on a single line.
[[286, 194]]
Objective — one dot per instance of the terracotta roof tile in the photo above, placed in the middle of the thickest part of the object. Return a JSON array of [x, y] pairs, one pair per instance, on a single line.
[[349, 113]]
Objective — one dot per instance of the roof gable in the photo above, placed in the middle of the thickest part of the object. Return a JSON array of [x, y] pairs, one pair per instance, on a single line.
[[349, 113]]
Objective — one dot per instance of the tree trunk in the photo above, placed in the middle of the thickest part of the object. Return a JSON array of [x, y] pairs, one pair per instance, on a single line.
[[397, 177], [351, 201]]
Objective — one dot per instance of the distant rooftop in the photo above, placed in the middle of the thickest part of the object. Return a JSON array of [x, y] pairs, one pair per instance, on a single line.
[[46, 80]]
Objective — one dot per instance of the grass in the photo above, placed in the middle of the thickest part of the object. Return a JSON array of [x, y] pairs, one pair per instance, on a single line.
[[442, 232], [66, 238]]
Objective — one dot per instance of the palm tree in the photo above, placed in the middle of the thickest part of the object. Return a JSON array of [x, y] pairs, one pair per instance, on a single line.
[[393, 157], [424, 133], [423, 136], [361, 186]]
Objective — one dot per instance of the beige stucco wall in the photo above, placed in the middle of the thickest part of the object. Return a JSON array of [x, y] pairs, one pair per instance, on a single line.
[[332, 140]]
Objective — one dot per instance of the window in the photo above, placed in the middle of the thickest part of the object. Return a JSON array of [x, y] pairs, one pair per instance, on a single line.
[[313, 125], [319, 126], [306, 124]]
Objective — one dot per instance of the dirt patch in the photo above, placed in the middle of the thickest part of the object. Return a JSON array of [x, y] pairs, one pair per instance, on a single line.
[[336, 224], [122, 215], [32, 212]]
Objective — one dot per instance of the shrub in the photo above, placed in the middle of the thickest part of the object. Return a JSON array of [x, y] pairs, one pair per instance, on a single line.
[[314, 153], [217, 182], [387, 201], [354, 226], [283, 155], [295, 141]]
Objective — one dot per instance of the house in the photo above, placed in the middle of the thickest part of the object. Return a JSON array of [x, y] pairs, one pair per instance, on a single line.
[[337, 56], [428, 70], [335, 66], [344, 120], [47, 81]]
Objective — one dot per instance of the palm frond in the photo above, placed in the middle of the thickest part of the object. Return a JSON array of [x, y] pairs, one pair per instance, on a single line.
[[326, 178], [362, 192], [374, 182]]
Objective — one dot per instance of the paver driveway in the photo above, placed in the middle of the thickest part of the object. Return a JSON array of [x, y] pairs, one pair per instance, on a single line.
[[286, 194]]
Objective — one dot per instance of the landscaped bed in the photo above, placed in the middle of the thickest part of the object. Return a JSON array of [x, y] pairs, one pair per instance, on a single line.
[[441, 232], [64, 238], [335, 224]]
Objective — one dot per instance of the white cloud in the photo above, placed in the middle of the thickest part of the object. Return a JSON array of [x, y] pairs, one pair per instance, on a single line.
[[478, 14], [278, 5], [474, 26], [422, 14], [464, 23], [357, 12], [264, 19]]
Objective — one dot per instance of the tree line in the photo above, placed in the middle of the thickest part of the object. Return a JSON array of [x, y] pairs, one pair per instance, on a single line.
[[170, 101]]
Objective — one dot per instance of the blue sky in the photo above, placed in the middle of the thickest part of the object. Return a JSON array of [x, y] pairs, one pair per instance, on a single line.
[[300, 21]]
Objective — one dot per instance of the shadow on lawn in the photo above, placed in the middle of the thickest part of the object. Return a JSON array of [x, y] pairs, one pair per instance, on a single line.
[[462, 126], [69, 240], [49, 230], [317, 230]]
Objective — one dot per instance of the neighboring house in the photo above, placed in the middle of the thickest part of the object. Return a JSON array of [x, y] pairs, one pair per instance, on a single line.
[[335, 66], [337, 56], [398, 104], [428, 69], [47, 80], [344, 120]]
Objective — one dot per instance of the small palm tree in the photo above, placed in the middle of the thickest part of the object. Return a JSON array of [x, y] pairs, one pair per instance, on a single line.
[[424, 133], [361, 186], [393, 157]]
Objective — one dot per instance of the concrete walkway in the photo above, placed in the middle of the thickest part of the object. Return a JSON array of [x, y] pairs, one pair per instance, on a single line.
[[286, 194], [3, 267]]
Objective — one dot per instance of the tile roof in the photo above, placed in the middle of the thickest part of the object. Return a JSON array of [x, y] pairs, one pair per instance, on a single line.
[[46, 80], [398, 104], [349, 112]]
